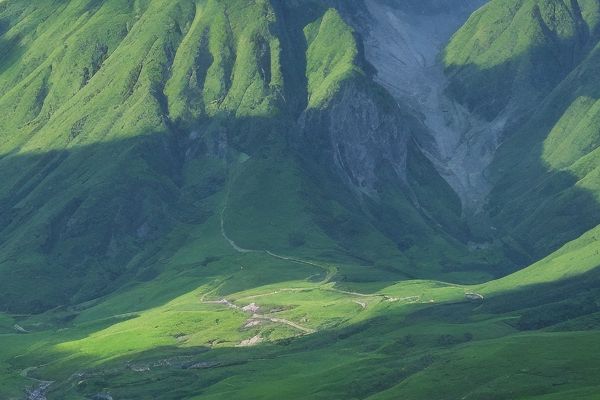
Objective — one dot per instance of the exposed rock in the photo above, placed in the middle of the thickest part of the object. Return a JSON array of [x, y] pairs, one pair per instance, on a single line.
[[252, 322], [204, 365], [143, 368], [357, 133], [404, 42], [473, 296], [362, 304], [224, 302], [252, 308], [38, 393], [253, 341], [20, 329]]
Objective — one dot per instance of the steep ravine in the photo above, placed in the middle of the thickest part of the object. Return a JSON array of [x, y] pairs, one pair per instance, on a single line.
[[403, 42]]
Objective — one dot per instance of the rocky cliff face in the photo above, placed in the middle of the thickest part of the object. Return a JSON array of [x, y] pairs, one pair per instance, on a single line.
[[403, 41], [361, 129], [359, 133]]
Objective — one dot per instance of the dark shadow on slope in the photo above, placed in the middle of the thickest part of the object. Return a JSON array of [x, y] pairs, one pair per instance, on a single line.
[[80, 223], [564, 304], [533, 209], [9, 46], [291, 22], [540, 207]]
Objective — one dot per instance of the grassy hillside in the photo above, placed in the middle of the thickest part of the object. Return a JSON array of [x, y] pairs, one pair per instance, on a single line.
[[529, 338], [533, 62], [518, 50], [142, 120], [212, 199]]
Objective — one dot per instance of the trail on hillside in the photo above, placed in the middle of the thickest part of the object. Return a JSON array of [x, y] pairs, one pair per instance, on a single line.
[[330, 273], [330, 270], [227, 238], [285, 322]]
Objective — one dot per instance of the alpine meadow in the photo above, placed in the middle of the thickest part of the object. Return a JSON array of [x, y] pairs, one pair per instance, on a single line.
[[300, 199]]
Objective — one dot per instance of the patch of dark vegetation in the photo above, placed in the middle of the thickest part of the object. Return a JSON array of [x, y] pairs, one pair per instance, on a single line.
[[132, 81], [554, 313], [296, 239], [77, 128], [263, 55], [452, 340], [209, 260], [197, 77], [42, 93], [99, 55], [400, 346]]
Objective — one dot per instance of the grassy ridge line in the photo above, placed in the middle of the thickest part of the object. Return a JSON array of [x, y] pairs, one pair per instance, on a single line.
[[331, 57], [574, 259]]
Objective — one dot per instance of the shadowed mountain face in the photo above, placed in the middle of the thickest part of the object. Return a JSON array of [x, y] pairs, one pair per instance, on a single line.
[[113, 141], [404, 42], [534, 67], [500, 105], [204, 199]]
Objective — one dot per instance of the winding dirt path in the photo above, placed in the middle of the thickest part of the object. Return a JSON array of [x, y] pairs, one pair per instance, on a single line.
[[331, 270], [285, 322], [357, 294], [291, 290], [228, 239]]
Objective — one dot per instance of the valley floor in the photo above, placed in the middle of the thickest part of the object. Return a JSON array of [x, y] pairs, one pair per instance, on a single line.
[[247, 319]]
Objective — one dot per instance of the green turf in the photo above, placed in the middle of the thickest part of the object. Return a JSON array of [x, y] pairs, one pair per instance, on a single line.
[[157, 178]]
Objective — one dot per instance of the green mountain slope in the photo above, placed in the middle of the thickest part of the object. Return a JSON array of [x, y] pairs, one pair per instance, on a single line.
[[533, 62], [517, 51], [213, 199], [536, 327], [150, 117]]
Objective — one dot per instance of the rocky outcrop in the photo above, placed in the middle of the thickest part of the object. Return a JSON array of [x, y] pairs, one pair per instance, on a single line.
[[359, 133], [403, 42]]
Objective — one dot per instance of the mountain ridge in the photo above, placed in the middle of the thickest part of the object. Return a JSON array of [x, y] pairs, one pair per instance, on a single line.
[[215, 199]]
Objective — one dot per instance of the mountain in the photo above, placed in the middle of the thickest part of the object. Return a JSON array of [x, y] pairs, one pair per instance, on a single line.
[[533, 71], [150, 118], [215, 199]]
